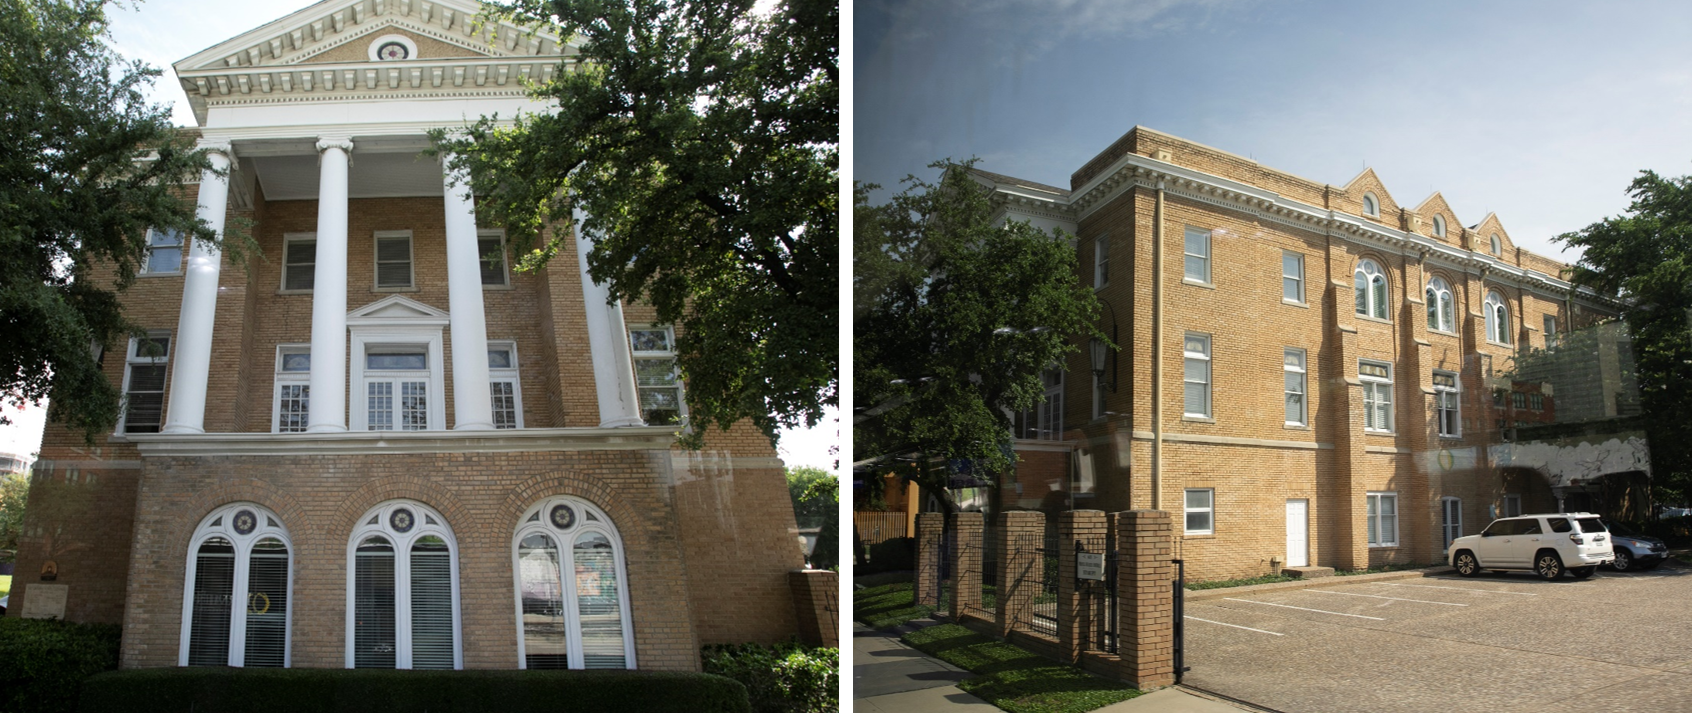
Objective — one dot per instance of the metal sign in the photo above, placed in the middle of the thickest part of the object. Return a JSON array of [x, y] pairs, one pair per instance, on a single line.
[[1089, 566]]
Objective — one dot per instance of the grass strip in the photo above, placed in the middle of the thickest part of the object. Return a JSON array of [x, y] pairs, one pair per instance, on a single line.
[[1382, 568], [887, 605], [1015, 679]]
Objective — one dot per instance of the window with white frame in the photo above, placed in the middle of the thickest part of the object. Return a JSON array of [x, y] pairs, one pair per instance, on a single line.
[[507, 391], [1383, 519], [1439, 226], [299, 261], [145, 366], [1441, 312], [1550, 331], [1497, 318], [1497, 245], [402, 590], [236, 604], [490, 245], [1292, 277], [1371, 289], [1451, 519], [293, 388], [1101, 261], [1447, 399], [572, 596], [656, 379], [396, 388], [1377, 395], [393, 260], [164, 252], [1371, 205], [1292, 366], [1195, 354], [1200, 509], [1197, 253], [1045, 420]]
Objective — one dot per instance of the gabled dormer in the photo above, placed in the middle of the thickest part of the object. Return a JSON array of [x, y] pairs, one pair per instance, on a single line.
[[1488, 237], [1439, 221]]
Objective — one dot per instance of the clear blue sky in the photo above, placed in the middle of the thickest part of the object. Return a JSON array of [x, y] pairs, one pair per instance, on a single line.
[[1542, 112]]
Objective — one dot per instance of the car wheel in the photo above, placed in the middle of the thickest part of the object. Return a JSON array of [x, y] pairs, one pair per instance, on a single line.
[[1624, 560], [1583, 572], [1549, 565], [1466, 564]]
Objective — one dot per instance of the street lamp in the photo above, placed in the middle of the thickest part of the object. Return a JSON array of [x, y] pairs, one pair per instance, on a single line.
[[1100, 353]]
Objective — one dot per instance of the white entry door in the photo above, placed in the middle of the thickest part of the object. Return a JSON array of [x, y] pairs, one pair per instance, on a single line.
[[1298, 533]]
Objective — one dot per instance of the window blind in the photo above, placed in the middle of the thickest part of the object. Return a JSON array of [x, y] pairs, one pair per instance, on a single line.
[[431, 604], [598, 602], [300, 265], [393, 262], [545, 638], [373, 605], [267, 604], [146, 398], [214, 585]]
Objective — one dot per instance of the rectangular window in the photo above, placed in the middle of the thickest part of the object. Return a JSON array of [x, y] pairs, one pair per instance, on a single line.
[[490, 244], [396, 389], [1197, 255], [1550, 331], [1292, 367], [1518, 399], [1383, 519], [1201, 511], [1536, 402], [299, 262], [502, 373], [1045, 420], [1446, 403], [1101, 262], [164, 252], [655, 375], [1377, 396], [1512, 506], [293, 389], [144, 383], [1292, 277], [1195, 354], [393, 260]]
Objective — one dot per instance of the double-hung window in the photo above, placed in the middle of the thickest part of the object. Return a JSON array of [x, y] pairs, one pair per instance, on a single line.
[[1101, 261], [507, 393], [490, 245], [1200, 509], [299, 262], [396, 388], [293, 388], [1377, 395], [1383, 519], [1446, 402], [144, 383], [655, 375], [1292, 366], [1197, 254], [1195, 353], [1550, 331], [393, 260], [1292, 277], [164, 252]]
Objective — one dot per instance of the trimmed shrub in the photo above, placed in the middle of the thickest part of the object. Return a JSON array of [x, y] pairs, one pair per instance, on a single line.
[[44, 661], [784, 678], [233, 690]]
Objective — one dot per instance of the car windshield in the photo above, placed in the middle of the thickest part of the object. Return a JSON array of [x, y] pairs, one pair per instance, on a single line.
[[1620, 529], [1590, 524]]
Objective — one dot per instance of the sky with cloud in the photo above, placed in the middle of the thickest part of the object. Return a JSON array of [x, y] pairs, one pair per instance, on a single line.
[[1542, 112]]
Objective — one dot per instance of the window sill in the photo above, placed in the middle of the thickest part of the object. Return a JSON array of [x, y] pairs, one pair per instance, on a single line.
[[1295, 303], [1197, 283], [1378, 432], [1296, 426], [1443, 332], [1392, 546], [1457, 437], [294, 292], [384, 290], [1500, 344], [1097, 286], [1197, 419], [1368, 318], [1211, 535], [498, 288], [140, 275]]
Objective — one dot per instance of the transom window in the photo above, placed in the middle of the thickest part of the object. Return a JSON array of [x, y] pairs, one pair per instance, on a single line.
[[1447, 404], [144, 383], [1377, 395], [164, 252], [1195, 354], [299, 262], [1497, 318], [1371, 205], [1200, 510], [507, 390], [572, 592], [396, 388], [402, 590], [1371, 288], [1197, 253], [1383, 519], [1292, 367], [293, 388], [236, 604], [490, 244], [393, 260], [1292, 277], [1441, 313], [656, 377]]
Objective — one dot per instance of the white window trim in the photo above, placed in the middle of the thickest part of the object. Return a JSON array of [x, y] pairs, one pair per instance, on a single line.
[[1551, 332], [1456, 392], [1497, 318], [513, 375], [504, 258], [1439, 225], [1185, 509], [182, 245], [1371, 205], [1445, 524], [365, 337], [1210, 375], [1396, 516], [1209, 250], [1366, 379], [681, 388], [573, 625], [402, 543], [1300, 300], [1445, 291], [1101, 261], [282, 279], [1303, 372], [132, 359], [285, 377], [1369, 306], [243, 553], [410, 261]]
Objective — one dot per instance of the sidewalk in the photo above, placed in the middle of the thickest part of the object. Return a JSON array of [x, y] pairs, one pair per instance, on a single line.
[[890, 677]]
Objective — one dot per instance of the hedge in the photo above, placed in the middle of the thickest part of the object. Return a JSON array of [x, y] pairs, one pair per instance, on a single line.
[[784, 678], [229, 690], [44, 661]]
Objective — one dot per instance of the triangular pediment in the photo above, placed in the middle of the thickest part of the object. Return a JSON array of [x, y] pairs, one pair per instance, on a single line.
[[1436, 206], [397, 310], [356, 47], [1368, 183]]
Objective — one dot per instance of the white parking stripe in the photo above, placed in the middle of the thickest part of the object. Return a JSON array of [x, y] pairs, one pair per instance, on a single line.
[[1318, 611], [1460, 589], [1377, 596], [1236, 626]]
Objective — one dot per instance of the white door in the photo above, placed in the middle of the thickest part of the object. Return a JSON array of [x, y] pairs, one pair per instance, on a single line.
[[1453, 519], [1298, 533]]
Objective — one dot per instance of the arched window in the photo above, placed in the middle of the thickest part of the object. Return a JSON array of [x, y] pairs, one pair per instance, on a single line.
[[1371, 205], [1440, 312], [1439, 226], [1497, 245], [572, 591], [402, 594], [1371, 289], [1497, 319], [235, 608]]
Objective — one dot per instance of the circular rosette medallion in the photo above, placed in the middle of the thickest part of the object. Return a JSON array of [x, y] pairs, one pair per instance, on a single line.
[[245, 522], [402, 520], [563, 517], [393, 50]]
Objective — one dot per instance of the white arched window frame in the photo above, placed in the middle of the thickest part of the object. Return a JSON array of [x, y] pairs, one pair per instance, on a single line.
[[244, 526], [1441, 312], [1497, 245], [567, 521], [1439, 226], [404, 524], [1371, 287], [1371, 205], [1497, 318]]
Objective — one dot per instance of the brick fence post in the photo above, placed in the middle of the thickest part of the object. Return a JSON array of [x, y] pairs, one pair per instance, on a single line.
[[927, 584], [1145, 622], [816, 598], [966, 563], [1020, 534], [1078, 531]]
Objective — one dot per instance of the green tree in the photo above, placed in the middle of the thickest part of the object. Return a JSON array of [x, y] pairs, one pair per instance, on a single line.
[[702, 142], [816, 503], [89, 166], [954, 319], [14, 491], [1644, 256]]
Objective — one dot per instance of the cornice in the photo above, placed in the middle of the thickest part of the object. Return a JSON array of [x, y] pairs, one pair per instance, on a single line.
[[393, 442]]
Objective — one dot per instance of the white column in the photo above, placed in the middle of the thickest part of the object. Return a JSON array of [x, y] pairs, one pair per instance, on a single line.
[[608, 340], [199, 301], [472, 408], [328, 411]]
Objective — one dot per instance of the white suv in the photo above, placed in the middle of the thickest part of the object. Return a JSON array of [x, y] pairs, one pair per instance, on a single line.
[[1545, 544]]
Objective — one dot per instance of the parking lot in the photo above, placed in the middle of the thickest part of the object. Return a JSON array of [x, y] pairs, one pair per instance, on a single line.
[[1495, 643]]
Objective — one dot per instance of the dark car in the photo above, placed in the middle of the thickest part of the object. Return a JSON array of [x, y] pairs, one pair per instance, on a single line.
[[1634, 550]]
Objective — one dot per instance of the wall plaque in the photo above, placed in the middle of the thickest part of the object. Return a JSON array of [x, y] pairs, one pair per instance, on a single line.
[[1089, 566], [45, 601]]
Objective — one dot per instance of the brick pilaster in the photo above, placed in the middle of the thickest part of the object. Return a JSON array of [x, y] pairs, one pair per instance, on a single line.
[[816, 599], [1078, 531], [1019, 533], [927, 584], [1341, 509], [1145, 623], [966, 562]]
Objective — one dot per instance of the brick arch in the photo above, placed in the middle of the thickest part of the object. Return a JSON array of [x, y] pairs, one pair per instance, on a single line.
[[540, 487], [399, 487], [295, 519]]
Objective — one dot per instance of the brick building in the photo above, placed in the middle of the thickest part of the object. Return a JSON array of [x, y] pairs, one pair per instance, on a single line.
[[1308, 372], [375, 444]]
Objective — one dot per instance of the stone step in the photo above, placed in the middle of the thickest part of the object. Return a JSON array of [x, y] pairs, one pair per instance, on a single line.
[[1307, 572]]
